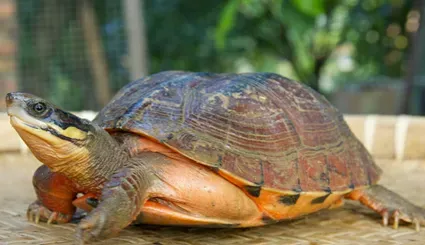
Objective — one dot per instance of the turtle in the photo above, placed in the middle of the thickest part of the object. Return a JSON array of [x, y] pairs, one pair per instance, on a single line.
[[199, 149]]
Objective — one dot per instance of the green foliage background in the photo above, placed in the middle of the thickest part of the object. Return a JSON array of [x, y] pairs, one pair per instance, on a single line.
[[302, 39]]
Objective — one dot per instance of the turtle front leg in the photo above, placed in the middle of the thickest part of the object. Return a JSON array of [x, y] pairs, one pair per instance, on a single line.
[[389, 205], [54, 197], [120, 203]]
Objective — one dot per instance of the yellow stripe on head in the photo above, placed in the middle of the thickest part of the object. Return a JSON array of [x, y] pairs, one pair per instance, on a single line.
[[70, 132]]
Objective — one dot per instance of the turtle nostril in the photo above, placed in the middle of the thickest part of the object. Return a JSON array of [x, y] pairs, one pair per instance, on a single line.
[[9, 98]]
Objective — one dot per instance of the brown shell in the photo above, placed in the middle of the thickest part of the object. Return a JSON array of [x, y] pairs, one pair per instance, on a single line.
[[261, 128]]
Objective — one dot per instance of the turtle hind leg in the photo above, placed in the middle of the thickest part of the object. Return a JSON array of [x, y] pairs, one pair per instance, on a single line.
[[389, 205], [54, 197]]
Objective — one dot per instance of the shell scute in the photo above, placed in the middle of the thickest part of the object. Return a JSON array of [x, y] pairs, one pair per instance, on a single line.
[[284, 175], [262, 128], [316, 175], [338, 171]]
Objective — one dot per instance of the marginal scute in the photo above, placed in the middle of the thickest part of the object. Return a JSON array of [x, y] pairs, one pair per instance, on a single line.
[[321, 199], [289, 199], [261, 128], [253, 190]]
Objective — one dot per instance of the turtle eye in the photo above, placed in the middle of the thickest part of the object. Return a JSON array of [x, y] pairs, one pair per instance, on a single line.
[[39, 108]]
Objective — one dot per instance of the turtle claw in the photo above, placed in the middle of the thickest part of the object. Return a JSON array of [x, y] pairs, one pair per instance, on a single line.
[[111, 216], [95, 226], [391, 206], [416, 219], [52, 217], [37, 217], [385, 218], [417, 224], [396, 216], [36, 212]]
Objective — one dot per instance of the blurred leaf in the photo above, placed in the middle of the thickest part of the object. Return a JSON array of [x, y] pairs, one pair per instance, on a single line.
[[226, 23], [309, 7], [253, 8]]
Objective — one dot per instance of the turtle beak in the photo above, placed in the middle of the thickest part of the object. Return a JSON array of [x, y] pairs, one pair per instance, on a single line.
[[16, 100], [16, 105], [52, 124], [13, 100], [42, 131], [9, 99]]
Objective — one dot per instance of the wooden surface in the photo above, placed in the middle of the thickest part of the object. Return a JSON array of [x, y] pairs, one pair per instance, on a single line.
[[351, 224]]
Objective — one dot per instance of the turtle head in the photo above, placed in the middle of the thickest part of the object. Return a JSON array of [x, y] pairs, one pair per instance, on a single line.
[[53, 135]]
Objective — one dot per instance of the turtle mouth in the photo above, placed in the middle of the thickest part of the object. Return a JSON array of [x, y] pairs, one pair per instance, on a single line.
[[33, 128], [19, 118], [16, 121]]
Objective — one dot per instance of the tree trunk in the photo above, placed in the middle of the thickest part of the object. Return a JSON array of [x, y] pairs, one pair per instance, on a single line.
[[414, 58], [136, 36], [95, 52]]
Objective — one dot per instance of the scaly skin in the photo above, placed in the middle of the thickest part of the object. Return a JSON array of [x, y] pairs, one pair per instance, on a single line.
[[120, 202], [120, 198], [389, 205], [55, 194]]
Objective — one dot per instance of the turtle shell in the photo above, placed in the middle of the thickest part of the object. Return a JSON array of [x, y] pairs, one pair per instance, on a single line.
[[260, 128]]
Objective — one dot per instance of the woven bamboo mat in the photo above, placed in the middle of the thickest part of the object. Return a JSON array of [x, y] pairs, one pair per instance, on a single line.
[[351, 224]]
